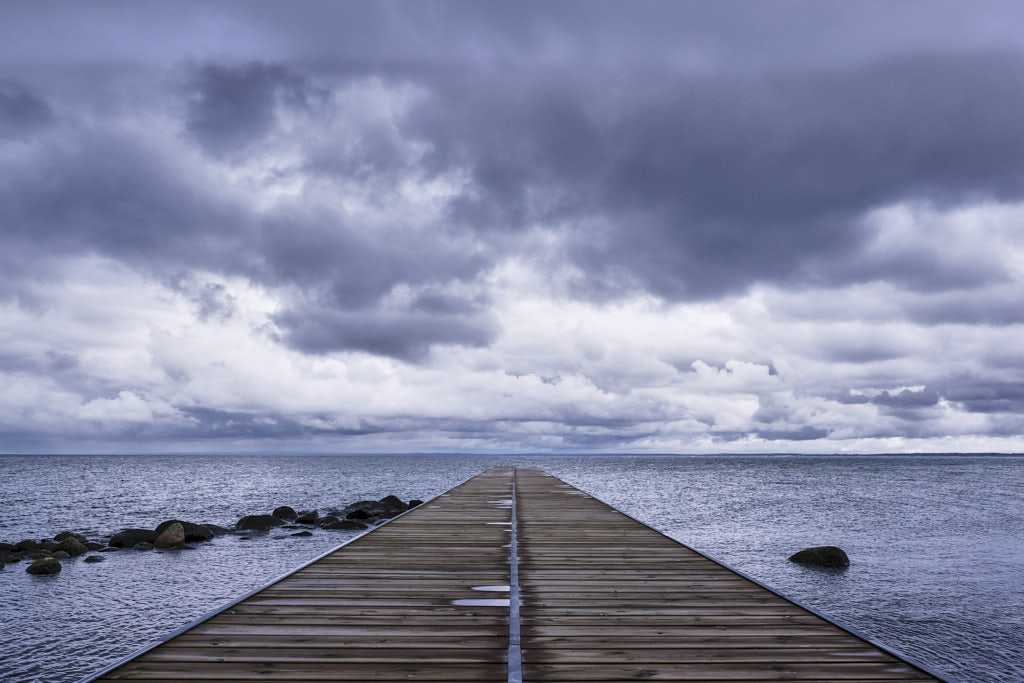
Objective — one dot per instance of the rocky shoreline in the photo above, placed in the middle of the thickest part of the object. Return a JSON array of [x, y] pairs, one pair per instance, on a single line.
[[47, 554]]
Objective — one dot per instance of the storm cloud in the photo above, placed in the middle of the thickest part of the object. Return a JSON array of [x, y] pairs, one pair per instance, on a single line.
[[679, 227]]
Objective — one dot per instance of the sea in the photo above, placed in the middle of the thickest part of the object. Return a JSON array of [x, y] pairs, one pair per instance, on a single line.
[[936, 542]]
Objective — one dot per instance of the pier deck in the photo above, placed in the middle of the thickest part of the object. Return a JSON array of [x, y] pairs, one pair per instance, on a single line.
[[601, 598]]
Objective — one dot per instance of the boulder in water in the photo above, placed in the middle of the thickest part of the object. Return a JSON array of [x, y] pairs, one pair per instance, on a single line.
[[828, 556], [329, 519], [26, 544], [394, 502], [172, 535], [94, 558], [303, 533], [72, 546], [144, 546], [61, 555], [307, 517], [47, 566], [285, 512], [93, 545], [258, 523], [415, 502], [357, 514], [129, 537], [193, 532], [215, 529]]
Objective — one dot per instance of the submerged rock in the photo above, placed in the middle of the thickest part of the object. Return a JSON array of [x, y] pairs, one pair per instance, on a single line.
[[172, 535], [828, 556], [144, 546], [303, 533], [47, 566], [258, 523], [129, 537], [95, 558], [93, 545], [285, 512], [345, 524], [215, 529], [193, 532]]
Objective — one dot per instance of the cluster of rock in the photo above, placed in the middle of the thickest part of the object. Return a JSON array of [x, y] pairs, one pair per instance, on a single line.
[[176, 534]]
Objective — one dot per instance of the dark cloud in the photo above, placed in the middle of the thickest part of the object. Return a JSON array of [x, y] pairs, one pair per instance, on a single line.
[[805, 433], [406, 335], [907, 399], [231, 108], [978, 396], [698, 187], [22, 112]]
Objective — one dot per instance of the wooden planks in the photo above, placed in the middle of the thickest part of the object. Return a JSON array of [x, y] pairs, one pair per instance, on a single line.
[[382, 608], [602, 598], [605, 598]]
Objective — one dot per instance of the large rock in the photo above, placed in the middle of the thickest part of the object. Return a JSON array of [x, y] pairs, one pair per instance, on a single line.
[[46, 566], [358, 514], [285, 512], [65, 534], [395, 503], [329, 519], [72, 546], [131, 537], [193, 532], [258, 523], [7, 547], [307, 517], [10, 558], [172, 535], [92, 545], [26, 544], [828, 556], [61, 555]]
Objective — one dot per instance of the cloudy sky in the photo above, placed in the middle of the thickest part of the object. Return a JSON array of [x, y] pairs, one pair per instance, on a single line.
[[522, 227]]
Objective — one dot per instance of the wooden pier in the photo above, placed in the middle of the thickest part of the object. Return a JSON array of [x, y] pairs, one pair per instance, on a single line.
[[515, 576]]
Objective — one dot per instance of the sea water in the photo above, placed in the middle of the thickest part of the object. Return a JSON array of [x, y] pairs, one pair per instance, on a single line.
[[936, 542]]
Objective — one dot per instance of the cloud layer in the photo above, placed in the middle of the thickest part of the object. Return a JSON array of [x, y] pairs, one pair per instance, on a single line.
[[445, 226]]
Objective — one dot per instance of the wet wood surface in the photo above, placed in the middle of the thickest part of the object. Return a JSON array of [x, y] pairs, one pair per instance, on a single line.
[[603, 598]]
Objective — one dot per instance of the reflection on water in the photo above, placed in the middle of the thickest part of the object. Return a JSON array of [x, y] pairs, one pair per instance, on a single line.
[[936, 543]]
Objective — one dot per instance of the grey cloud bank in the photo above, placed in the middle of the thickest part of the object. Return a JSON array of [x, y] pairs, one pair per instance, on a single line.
[[454, 226]]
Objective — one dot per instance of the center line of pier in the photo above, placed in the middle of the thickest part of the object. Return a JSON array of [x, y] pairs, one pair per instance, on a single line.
[[515, 652]]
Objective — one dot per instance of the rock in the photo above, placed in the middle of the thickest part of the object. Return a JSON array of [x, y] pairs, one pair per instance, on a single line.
[[258, 523], [10, 558], [307, 517], [193, 532], [93, 545], [357, 514], [217, 530], [144, 546], [130, 537], [415, 502], [37, 554], [346, 524], [61, 555], [828, 556], [303, 533], [329, 519], [394, 502], [285, 512], [172, 535], [72, 546], [109, 549], [7, 547], [95, 558], [26, 544], [68, 534], [372, 508], [47, 566]]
